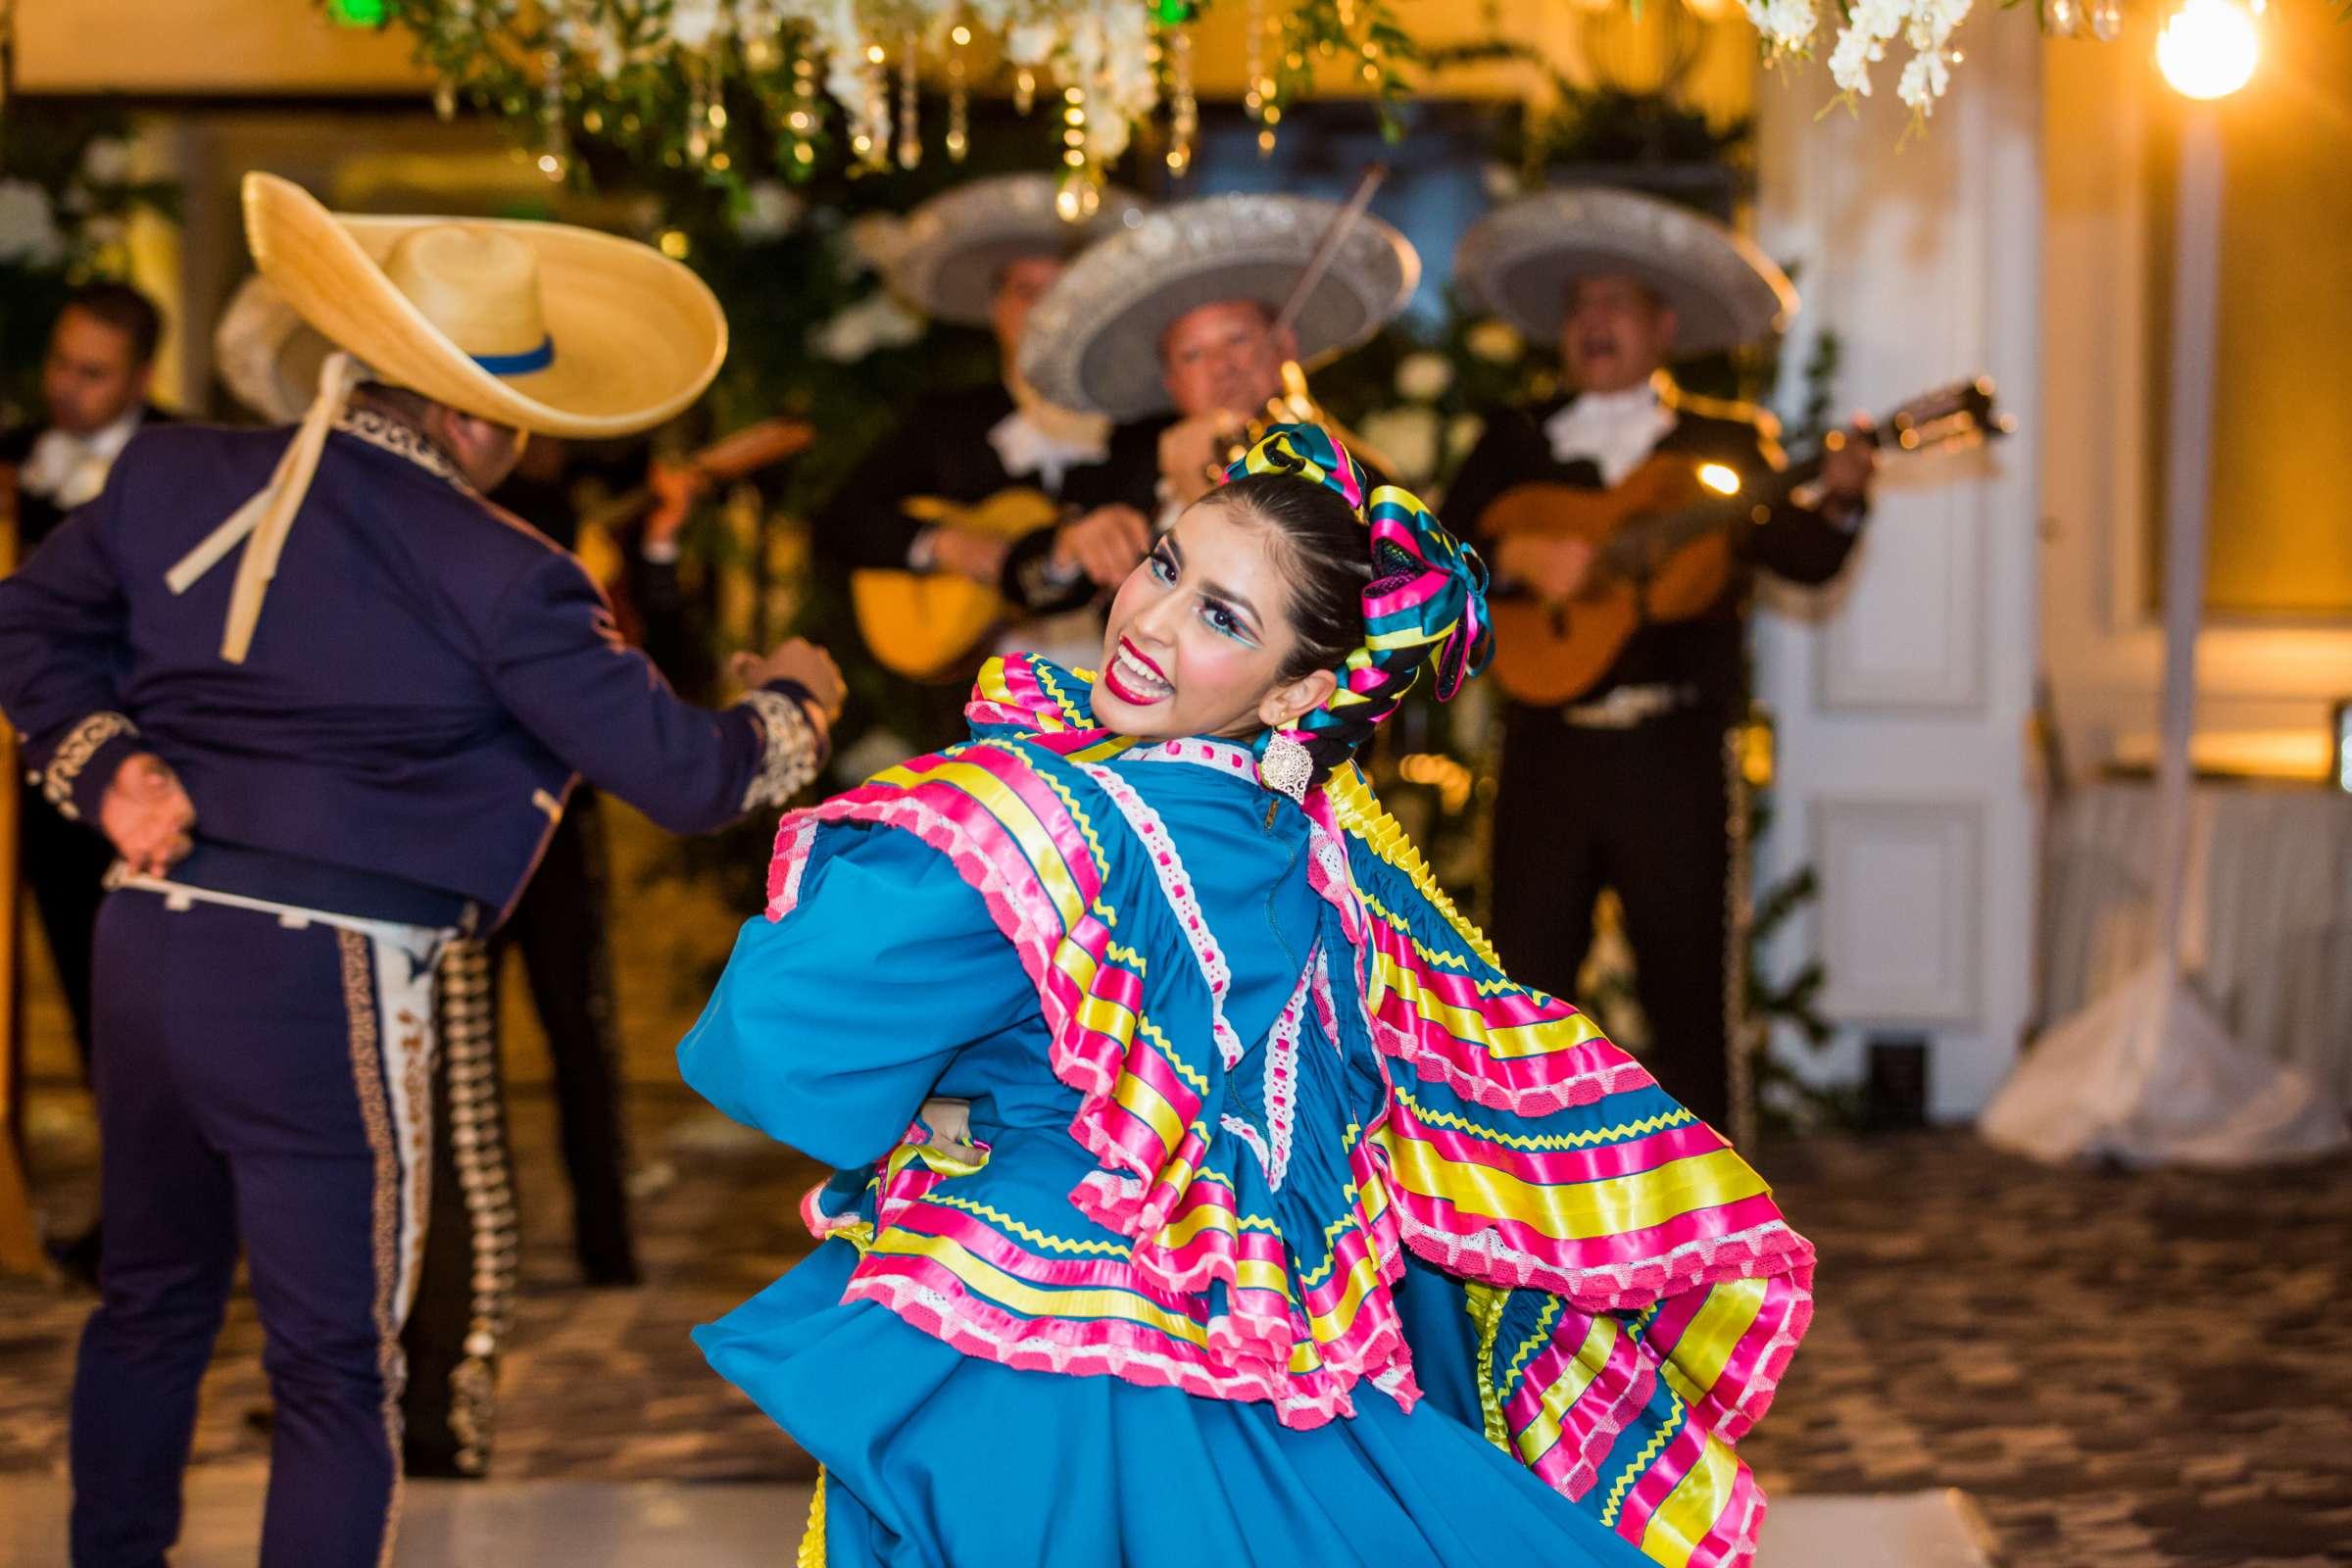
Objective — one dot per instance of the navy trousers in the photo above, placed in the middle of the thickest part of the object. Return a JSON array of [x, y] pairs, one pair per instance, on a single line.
[[269, 1085]]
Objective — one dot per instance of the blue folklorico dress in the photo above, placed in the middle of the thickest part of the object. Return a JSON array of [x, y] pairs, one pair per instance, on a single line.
[[1263, 1132]]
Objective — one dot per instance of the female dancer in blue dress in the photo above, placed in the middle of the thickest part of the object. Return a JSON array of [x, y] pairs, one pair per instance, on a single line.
[[1248, 1105]]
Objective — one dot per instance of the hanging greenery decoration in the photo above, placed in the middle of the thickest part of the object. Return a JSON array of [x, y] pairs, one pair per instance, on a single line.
[[716, 86]]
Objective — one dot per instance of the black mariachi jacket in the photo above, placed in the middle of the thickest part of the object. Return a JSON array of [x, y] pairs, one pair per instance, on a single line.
[[1708, 653]]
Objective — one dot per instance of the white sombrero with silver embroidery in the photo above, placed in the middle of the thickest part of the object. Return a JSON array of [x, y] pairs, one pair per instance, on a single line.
[[1092, 342], [953, 245], [1519, 260], [266, 353], [546, 327]]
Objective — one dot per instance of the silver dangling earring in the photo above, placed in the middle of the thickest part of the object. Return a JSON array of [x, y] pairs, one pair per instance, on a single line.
[[1286, 767]]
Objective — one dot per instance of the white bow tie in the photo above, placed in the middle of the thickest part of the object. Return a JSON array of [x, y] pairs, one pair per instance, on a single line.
[[70, 471], [1027, 447], [1616, 431]]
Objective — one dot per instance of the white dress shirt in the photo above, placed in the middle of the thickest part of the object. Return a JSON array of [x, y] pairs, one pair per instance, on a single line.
[[1616, 431], [69, 470]]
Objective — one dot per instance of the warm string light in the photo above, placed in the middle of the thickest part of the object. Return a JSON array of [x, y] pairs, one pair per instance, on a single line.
[[910, 145], [555, 147], [1254, 61], [613, 69], [871, 142], [698, 109], [1073, 126], [1081, 192], [2208, 48], [801, 118], [959, 98], [1184, 107]]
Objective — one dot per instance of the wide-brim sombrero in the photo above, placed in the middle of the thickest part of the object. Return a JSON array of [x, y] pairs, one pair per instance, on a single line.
[[1520, 261], [956, 244], [627, 338], [1093, 341]]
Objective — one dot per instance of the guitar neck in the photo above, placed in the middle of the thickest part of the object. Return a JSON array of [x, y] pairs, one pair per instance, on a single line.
[[1652, 539], [625, 507], [730, 458]]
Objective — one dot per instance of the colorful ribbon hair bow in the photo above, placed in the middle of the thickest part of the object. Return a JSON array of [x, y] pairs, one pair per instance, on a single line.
[[1425, 606]]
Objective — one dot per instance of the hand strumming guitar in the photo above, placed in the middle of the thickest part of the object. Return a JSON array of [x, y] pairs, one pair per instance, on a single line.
[[1105, 544], [1555, 569], [969, 552]]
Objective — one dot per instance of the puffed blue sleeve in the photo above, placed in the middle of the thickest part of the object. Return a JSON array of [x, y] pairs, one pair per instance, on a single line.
[[830, 1027]]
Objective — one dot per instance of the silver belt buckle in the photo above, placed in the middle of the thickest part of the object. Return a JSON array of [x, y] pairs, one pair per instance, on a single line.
[[1624, 708]]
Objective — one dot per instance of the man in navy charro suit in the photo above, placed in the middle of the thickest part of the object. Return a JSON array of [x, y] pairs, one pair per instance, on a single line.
[[327, 702]]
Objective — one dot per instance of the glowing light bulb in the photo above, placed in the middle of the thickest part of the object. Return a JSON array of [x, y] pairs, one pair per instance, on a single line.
[[1723, 481], [2208, 48]]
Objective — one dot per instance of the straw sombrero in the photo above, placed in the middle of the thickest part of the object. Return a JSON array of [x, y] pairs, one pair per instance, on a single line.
[[1092, 342], [955, 244], [544, 326], [541, 326], [1519, 260]]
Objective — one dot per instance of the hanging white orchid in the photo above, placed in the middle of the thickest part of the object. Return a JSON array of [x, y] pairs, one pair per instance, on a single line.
[[1869, 27], [768, 212], [694, 23]]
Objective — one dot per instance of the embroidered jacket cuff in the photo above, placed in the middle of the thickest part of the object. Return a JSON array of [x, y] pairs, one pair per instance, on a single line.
[[793, 745], [83, 765]]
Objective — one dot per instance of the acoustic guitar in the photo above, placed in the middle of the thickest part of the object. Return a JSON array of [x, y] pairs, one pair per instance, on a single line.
[[924, 624], [724, 461], [1663, 541]]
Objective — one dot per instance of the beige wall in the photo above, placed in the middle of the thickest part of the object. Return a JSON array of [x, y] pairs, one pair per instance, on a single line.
[[286, 46], [203, 46], [2264, 689]]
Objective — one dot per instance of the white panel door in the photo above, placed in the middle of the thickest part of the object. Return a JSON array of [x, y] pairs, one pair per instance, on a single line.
[[1902, 693]]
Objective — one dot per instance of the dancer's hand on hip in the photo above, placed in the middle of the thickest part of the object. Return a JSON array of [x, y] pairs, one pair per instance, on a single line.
[[147, 814]]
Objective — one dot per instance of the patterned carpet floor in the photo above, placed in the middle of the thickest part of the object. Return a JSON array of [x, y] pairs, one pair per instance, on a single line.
[[2151, 1370]]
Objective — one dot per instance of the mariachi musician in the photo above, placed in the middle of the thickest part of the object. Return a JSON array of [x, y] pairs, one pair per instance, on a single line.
[[927, 523], [1631, 782], [1190, 329]]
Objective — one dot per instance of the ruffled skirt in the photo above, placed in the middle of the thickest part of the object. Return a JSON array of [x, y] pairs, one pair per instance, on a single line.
[[936, 1458]]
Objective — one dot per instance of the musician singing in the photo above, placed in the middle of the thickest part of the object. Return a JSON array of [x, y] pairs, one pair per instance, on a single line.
[[1631, 783]]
